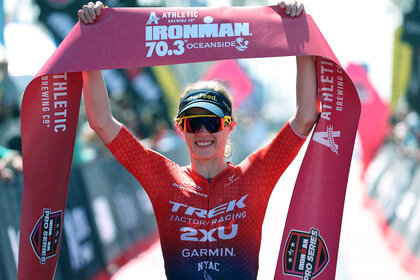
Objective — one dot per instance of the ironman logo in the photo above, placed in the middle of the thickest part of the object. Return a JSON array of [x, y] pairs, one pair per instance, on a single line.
[[305, 254], [45, 236]]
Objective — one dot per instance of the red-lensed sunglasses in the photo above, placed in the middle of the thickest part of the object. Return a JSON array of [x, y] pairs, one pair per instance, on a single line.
[[193, 124]]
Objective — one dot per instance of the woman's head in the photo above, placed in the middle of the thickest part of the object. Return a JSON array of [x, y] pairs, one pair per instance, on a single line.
[[205, 117]]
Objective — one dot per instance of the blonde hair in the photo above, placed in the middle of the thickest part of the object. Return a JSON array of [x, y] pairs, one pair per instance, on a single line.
[[220, 88]]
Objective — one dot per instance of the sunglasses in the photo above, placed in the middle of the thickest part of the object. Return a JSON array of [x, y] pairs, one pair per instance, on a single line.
[[193, 124]]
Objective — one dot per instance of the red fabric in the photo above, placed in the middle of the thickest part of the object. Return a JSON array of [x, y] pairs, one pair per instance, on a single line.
[[198, 217]]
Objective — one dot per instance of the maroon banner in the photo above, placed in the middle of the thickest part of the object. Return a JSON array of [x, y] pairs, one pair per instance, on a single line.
[[136, 37], [311, 235]]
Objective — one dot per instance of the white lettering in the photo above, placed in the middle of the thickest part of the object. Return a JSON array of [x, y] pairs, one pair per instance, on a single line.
[[60, 106], [191, 234], [206, 30], [153, 18], [327, 138], [204, 265], [216, 252], [218, 210]]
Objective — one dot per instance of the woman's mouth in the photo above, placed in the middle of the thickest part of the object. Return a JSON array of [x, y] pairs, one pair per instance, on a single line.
[[204, 143]]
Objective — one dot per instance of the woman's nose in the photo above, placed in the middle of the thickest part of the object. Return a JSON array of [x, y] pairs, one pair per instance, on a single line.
[[203, 130]]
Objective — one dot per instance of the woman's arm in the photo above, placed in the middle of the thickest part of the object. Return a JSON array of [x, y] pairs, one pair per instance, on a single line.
[[307, 103], [98, 109]]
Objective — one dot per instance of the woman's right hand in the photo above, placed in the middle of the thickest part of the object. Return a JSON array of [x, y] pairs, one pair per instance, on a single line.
[[292, 8], [88, 13]]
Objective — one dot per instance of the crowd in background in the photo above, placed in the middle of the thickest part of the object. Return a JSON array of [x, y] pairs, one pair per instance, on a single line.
[[10, 146]]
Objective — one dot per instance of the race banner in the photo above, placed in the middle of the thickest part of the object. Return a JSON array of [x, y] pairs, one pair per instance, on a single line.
[[140, 37], [311, 235]]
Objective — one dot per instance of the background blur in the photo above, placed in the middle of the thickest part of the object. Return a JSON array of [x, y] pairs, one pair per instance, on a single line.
[[110, 231]]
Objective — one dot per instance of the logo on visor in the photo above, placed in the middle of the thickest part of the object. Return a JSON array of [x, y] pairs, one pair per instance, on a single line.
[[305, 254], [202, 96], [45, 236]]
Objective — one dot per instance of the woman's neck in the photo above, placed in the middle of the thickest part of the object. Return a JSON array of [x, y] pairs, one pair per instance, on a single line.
[[209, 169]]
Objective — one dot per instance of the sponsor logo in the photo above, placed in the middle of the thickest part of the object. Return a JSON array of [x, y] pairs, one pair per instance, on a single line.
[[331, 88], [305, 254], [218, 215], [45, 236], [232, 179], [202, 213], [192, 189], [203, 252], [153, 19], [197, 188], [326, 138], [202, 96], [208, 253], [54, 101], [242, 44], [206, 222], [212, 235], [186, 33], [191, 31]]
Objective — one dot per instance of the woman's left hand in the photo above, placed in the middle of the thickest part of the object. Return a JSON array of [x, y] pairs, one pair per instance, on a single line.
[[292, 8]]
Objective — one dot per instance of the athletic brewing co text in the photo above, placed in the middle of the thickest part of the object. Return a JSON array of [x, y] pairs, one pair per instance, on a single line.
[[332, 97], [54, 101]]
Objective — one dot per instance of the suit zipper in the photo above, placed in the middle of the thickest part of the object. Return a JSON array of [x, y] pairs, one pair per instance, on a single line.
[[207, 226]]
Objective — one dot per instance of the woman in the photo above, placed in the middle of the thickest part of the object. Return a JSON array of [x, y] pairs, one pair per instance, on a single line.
[[209, 213]]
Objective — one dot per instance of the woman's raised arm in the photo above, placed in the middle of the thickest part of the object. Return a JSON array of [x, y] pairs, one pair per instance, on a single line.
[[98, 109], [307, 103]]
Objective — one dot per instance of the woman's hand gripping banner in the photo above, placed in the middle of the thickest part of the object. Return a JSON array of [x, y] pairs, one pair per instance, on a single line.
[[139, 37]]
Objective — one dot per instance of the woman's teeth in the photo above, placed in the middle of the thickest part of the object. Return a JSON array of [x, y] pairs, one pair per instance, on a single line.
[[203, 144]]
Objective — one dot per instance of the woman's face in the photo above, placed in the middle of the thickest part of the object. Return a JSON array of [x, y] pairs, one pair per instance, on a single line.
[[205, 146]]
